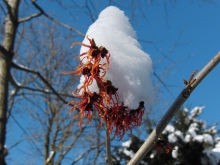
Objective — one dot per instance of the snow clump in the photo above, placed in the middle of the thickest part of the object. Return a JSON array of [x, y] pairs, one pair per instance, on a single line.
[[130, 67]]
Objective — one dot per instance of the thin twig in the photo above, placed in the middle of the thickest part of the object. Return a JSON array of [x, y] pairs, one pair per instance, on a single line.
[[33, 141], [161, 81], [85, 153], [41, 77], [108, 147], [56, 21], [149, 143], [44, 91], [29, 17]]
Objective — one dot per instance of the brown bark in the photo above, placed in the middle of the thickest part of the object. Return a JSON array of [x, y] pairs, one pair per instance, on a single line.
[[6, 54], [3, 100]]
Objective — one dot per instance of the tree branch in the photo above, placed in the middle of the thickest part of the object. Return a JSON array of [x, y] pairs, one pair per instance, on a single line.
[[82, 155], [29, 17], [161, 81], [149, 143], [61, 156], [25, 132], [108, 147], [41, 90], [41, 77], [56, 21]]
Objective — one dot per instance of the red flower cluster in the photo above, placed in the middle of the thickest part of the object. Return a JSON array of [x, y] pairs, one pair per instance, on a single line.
[[106, 102], [163, 144]]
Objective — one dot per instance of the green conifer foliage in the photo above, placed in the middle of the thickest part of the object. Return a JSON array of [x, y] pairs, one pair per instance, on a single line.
[[188, 134]]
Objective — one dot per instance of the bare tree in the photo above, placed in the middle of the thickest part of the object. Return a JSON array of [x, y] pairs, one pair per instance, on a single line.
[[34, 80]]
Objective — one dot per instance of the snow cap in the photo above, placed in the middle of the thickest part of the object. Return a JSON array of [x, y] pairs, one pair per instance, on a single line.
[[130, 67]]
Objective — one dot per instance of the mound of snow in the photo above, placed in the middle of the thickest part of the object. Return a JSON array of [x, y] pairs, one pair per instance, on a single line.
[[130, 67]]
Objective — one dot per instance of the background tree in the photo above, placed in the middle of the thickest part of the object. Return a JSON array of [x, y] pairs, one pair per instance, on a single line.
[[194, 142]]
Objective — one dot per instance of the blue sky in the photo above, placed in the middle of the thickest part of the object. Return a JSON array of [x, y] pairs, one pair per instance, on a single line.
[[200, 24]]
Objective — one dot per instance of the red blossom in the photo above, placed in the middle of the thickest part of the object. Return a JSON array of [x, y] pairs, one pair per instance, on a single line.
[[117, 116], [163, 144]]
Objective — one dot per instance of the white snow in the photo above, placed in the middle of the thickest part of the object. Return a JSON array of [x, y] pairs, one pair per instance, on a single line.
[[126, 143], [46, 90], [168, 129], [17, 83], [199, 138], [211, 130], [20, 65], [196, 111], [180, 135], [213, 154], [185, 110], [175, 152], [50, 156], [172, 138], [128, 153], [130, 67], [12, 92], [152, 156], [194, 134], [208, 139], [217, 140], [187, 138]]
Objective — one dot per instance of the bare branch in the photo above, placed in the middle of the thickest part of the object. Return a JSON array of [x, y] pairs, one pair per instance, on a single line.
[[80, 157], [33, 141], [98, 147], [90, 12], [161, 81], [56, 21], [183, 96], [176, 44], [41, 77], [108, 147], [18, 86], [69, 147], [29, 17]]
